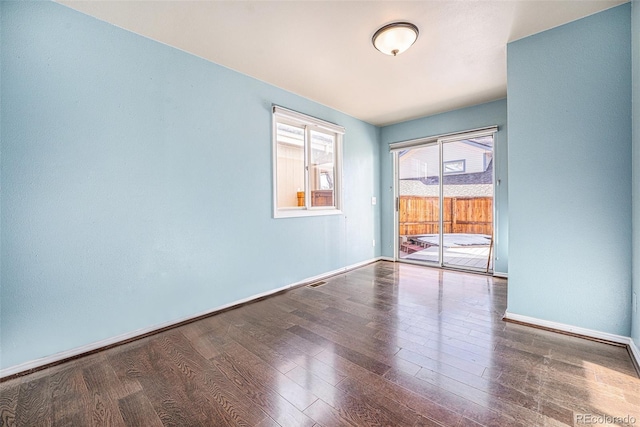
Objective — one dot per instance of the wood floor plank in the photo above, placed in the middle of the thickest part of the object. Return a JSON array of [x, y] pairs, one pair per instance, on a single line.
[[326, 415], [467, 406], [104, 390], [363, 311], [321, 370], [281, 356], [126, 369], [344, 334], [365, 382], [9, 402], [277, 407], [354, 411], [136, 410], [255, 368], [385, 344], [316, 385], [158, 382], [269, 422], [441, 362], [346, 352], [69, 398], [273, 331], [441, 348], [399, 413], [34, 403], [218, 398], [201, 340], [286, 346]]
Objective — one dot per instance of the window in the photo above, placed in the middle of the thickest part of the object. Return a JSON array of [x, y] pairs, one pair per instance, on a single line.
[[307, 159], [454, 166]]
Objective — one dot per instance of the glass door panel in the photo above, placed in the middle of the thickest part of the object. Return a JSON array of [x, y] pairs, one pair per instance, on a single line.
[[467, 190], [419, 204]]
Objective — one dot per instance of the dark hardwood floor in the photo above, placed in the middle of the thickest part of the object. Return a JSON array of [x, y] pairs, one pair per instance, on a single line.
[[384, 345]]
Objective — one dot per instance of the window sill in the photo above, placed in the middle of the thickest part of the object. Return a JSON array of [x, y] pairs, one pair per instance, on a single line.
[[296, 213]]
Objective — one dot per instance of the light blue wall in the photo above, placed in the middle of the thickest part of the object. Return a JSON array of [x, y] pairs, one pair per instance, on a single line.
[[569, 92], [492, 113], [635, 56], [136, 185]]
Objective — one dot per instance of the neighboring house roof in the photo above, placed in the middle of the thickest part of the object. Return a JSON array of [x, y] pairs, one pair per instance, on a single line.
[[484, 142], [485, 177], [460, 185]]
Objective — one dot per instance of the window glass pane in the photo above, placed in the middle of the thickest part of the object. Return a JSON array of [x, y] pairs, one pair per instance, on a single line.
[[455, 166], [322, 169], [290, 165]]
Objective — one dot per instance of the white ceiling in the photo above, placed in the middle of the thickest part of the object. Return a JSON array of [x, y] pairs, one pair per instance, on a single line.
[[322, 49]]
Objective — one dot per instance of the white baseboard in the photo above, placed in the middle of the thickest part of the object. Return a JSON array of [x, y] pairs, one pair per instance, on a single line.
[[591, 333], [47, 360], [386, 258], [635, 353], [499, 274]]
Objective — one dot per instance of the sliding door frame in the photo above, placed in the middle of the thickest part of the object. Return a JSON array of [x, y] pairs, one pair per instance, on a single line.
[[440, 140]]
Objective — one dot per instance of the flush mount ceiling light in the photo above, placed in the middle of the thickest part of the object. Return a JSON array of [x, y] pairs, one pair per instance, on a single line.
[[395, 38]]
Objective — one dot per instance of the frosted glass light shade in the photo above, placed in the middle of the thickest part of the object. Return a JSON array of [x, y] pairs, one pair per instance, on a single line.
[[395, 38]]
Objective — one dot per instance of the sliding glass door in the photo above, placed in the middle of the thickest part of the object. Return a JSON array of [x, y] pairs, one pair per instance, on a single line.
[[445, 202], [467, 190], [419, 204]]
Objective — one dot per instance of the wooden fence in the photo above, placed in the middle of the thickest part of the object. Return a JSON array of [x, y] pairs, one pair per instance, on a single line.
[[419, 215]]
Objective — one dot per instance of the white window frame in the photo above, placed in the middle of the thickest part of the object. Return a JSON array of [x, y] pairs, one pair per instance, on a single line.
[[284, 115], [463, 162]]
